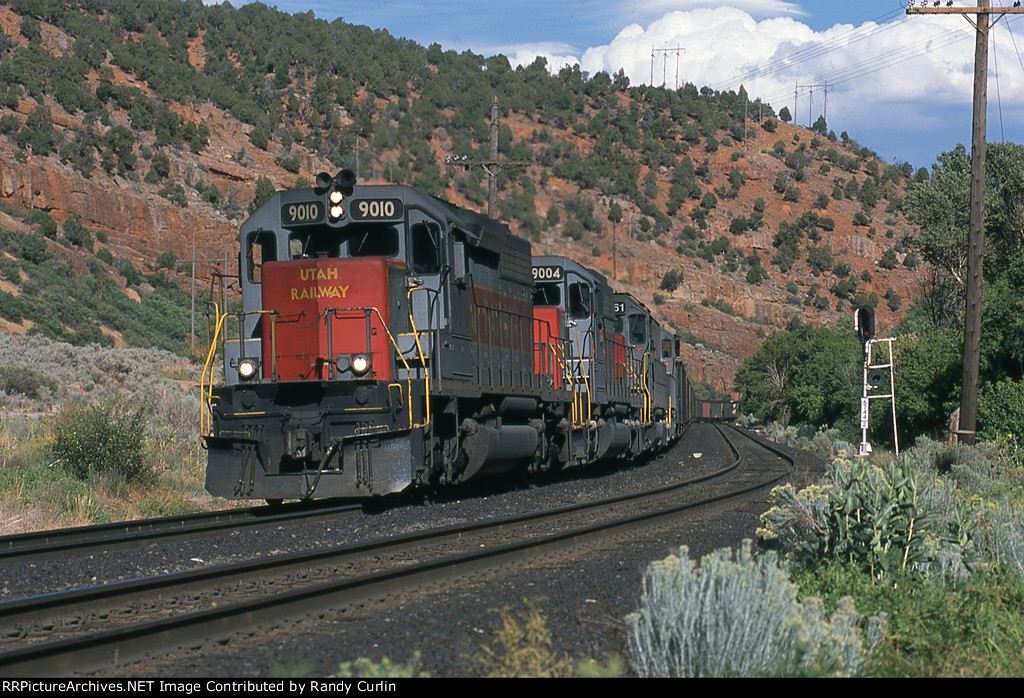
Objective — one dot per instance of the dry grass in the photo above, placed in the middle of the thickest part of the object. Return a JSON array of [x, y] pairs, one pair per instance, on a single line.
[[37, 494]]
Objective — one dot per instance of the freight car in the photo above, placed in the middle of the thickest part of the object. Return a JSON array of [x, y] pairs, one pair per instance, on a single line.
[[388, 339]]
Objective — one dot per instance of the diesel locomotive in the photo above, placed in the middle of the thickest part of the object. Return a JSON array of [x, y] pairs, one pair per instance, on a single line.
[[388, 339]]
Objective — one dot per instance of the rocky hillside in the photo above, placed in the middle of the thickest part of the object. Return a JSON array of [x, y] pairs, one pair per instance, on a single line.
[[154, 126]]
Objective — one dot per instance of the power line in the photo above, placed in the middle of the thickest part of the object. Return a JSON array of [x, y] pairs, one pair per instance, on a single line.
[[881, 61], [816, 51]]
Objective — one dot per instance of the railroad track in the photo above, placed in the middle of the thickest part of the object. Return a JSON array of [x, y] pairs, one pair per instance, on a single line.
[[188, 609], [40, 545]]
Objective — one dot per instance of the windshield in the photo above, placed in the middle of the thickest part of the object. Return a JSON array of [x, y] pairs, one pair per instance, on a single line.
[[355, 240]]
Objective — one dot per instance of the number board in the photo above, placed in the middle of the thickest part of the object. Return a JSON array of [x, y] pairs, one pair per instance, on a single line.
[[376, 209], [620, 308], [547, 273], [302, 213]]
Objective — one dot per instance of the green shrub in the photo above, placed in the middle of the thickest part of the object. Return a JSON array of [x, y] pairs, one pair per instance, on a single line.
[[259, 137], [970, 627], [20, 380], [103, 439], [175, 194], [47, 225], [1001, 409], [33, 248], [77, 234], [738, 615], [797, 523], [384, 669], [671, 280], [522, 648], [876, 516], [166, 260]]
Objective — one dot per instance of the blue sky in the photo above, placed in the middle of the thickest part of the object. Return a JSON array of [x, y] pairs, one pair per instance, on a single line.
[[900, 85]]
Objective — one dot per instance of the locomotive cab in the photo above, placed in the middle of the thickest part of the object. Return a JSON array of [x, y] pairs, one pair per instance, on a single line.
[[365, 310], [325, 376], [644, 351]]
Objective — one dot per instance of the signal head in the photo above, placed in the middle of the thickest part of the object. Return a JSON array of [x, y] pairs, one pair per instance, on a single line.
[[345, 179], [323, 180], [864, 323]]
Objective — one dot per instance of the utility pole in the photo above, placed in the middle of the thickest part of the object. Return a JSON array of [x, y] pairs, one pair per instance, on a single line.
[[492, 166], [810, 106], [664, 63], [975, 233], [191, 264]]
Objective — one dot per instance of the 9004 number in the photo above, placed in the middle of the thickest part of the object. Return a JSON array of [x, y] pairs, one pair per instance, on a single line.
[[547, 273]]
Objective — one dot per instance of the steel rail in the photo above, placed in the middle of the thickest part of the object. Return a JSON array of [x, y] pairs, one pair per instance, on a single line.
[[76, 605], [101, 649], [127, 534]]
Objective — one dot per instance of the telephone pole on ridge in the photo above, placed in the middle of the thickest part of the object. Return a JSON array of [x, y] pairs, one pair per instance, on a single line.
[[976, 233], [492, 166]]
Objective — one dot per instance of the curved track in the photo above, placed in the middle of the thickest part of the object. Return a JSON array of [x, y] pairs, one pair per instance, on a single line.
[[40, 545], [217, 602]]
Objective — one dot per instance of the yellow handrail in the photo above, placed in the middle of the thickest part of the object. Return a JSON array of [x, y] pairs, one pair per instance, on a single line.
[[398, 351], [205, 419], [646, 418], [423, 361]]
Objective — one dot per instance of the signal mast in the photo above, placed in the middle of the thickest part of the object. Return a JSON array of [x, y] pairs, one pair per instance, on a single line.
[[874, 376]]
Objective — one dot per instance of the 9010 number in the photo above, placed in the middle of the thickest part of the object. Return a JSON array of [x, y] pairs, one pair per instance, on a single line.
[[302, 212], [377, 209]]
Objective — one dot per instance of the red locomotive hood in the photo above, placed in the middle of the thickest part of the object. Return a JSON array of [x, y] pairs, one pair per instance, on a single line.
[[326, 308]]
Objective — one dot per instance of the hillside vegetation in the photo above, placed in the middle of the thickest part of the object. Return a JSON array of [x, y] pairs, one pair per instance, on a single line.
[[160, 123]]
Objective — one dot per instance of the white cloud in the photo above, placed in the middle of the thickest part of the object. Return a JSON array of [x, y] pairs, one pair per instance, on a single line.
[[757, 8], [925, 58], [902, 87], [557, 54]]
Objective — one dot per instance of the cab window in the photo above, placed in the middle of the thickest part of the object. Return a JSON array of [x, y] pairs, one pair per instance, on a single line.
[[372, 240], [579, 301], [547, 295], [425, 239], [637, 329], [261, 247], [356, 240]]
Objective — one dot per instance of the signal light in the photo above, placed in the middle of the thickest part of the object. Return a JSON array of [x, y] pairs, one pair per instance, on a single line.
[[864, 323], [875, 378]]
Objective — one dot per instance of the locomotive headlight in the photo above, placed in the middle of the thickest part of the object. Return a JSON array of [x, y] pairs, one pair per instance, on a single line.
[[360, 364], [337, 210], [246, 369]]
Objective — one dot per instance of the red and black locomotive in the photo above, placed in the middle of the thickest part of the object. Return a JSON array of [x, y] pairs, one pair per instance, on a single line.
[[389, 339]]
